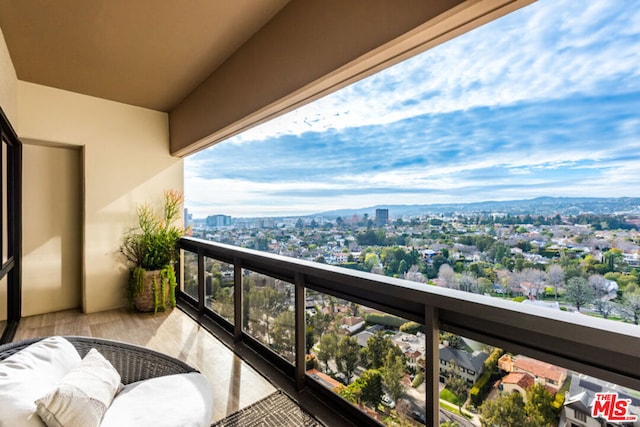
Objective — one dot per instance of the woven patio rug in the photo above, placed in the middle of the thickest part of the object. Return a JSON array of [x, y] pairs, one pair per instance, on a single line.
[[274, 410]]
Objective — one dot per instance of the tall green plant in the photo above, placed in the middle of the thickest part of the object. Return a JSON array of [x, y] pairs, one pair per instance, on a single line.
[[154, 243]]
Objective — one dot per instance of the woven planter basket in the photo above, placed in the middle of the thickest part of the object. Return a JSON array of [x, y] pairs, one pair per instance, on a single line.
[[146, 300]]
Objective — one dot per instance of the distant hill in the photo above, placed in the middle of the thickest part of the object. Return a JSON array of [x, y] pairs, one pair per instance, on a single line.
[[537, 206]]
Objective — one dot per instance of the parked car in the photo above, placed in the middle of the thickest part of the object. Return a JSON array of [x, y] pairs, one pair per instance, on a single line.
[[388, 401], [419, 416]]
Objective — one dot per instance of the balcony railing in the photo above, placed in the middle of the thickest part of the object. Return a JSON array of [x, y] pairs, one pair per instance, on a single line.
[[605, 349]]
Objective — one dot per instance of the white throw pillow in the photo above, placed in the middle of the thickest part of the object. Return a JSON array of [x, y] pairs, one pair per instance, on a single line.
[[30, 373], [83, 395], [172, 400]]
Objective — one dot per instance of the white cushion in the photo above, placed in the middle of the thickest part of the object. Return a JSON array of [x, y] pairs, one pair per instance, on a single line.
[[172, 400], [82, 396], [29, 374]]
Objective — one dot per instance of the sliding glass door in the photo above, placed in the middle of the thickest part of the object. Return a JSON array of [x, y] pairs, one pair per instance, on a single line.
[[10, 229]]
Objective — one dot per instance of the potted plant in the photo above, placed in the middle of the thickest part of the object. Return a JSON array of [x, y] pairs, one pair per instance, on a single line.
[[152, 249]]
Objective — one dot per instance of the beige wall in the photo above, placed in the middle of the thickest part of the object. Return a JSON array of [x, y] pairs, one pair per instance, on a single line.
[[8, 83], [126, 162], [52, 240], [8, 102]]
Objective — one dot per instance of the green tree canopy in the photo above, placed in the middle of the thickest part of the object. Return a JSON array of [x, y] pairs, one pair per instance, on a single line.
[[579, 292], [347, 356], [539, 406], [392, 374], [378, 345], [505, 411], [327, 349]]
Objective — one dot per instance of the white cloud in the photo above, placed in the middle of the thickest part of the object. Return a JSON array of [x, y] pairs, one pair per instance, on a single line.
[[551, 50], [525, 57]]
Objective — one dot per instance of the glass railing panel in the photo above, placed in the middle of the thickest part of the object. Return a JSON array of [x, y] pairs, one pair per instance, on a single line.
[[268, 312], [218, 288], [485, 385], [467, 371], [189, 282], [372, 359]]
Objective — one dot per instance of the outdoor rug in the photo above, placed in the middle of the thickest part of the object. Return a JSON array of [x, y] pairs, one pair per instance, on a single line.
[[274, 410]]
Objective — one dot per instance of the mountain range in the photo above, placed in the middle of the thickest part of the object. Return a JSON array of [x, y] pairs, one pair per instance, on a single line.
[[537, 206]]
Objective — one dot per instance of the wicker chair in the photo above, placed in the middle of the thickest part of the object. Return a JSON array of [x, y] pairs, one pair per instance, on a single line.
[[133, 363]]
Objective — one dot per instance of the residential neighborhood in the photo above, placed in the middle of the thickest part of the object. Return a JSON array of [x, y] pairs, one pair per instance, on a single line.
[[574, 263]]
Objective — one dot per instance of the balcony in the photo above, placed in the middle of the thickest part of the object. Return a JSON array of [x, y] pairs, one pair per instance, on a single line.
[[243, 369], [600, 348], [122, 149]]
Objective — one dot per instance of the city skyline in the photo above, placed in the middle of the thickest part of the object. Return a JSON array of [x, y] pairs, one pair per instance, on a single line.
[[543, 102]]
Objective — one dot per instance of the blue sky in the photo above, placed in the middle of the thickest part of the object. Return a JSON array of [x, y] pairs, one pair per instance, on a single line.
[[542, 102]]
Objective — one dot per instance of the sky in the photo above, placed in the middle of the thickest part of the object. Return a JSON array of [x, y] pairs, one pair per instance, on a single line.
[[542, 102]]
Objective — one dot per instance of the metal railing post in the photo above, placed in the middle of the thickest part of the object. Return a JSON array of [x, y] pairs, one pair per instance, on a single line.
[[238, 314], [432, 366], [300, 328], [201, 284]]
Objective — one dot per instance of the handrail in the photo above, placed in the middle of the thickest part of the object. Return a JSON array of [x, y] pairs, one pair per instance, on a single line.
[[605, 349]]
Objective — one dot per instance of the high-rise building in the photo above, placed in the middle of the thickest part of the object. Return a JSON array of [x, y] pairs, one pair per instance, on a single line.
[[218, 220], [382, 217]]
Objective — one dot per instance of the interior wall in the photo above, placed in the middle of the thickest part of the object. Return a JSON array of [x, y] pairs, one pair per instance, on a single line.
[[126, 162], [8, 103], [8, 83], [52, 240]]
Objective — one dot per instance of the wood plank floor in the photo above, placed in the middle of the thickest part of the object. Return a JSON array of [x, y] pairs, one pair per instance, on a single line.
[[235, 384]]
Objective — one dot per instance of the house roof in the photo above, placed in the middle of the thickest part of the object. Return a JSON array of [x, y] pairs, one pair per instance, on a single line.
[[352, 321], [521, 379], [582, 393], [363, 337], [464, 359], [539, 369], [579, 402]]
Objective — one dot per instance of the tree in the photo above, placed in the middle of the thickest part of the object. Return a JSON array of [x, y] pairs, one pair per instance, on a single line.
[[378, 345], [631, 303], [505, 411], [446, 275], [283, 335], [466, 282], [536, 278], [579, 292], [453, 340], [310, 338], [371, 260], [265, 303], [539, 406], [412, 327], [600, 285], [556, 277], [347, 356], [392, 374], [415, 275], [604, 307], [372, 387], [402, 267], [327, 350]]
